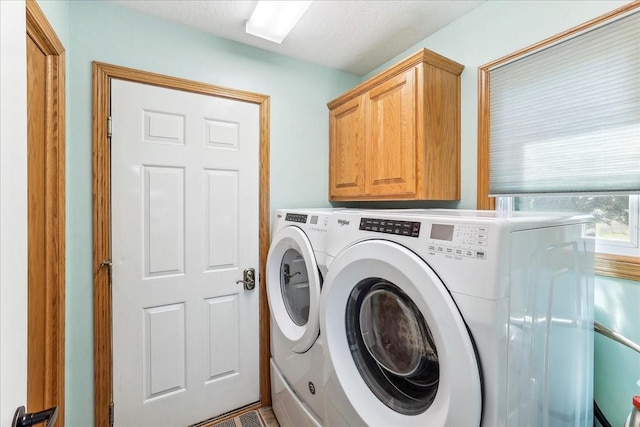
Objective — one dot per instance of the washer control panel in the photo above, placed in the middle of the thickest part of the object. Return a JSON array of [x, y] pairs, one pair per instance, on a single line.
[[469, 241], [390, 226]]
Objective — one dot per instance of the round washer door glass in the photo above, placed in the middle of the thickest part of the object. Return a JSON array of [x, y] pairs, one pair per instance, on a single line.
[[392, 346], [293, 287]]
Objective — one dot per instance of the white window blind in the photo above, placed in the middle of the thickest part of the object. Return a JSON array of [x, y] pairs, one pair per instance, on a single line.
[[566, 119]]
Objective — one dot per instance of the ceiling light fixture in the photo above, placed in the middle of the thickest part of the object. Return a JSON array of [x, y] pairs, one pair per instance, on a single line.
[[273, 20]]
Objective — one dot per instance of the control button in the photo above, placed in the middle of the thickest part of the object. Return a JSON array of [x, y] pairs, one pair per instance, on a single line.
[[469, 253], [481, 229], [400, 228], [293, 217], [440, 249], [482, 236], [481, 255], [432, 247], [449, 250], [459, 251], [481, 242]]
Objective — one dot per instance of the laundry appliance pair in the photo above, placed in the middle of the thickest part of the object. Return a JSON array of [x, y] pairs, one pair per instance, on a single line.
[[435, 318]]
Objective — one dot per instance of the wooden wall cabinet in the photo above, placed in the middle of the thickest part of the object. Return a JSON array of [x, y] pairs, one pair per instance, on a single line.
[[396, 136]]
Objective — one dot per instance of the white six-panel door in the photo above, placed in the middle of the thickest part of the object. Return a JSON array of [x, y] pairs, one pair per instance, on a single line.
[[184, 185]]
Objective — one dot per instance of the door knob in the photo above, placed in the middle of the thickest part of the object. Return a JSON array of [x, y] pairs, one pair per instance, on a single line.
[[249, 279], [21, 419]]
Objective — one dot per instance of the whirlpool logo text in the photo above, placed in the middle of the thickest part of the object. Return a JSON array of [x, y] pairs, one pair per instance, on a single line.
[[343, 221]]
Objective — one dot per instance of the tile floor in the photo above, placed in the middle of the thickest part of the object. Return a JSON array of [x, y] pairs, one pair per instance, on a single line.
[[263, 417], [268, 417]]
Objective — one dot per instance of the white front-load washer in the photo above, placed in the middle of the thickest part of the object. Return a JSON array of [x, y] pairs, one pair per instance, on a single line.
[[295, 270], [458, 318]]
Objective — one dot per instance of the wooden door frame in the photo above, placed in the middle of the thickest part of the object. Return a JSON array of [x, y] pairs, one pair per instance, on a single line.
[[53, 305], [103, 361]]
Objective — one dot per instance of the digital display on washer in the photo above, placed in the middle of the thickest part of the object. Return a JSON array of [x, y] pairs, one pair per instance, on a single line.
[[442, 232], [390, 226], [294, 217]]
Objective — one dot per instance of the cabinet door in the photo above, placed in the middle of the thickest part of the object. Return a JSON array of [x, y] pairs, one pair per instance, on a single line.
[[390, 166], [346, 150]]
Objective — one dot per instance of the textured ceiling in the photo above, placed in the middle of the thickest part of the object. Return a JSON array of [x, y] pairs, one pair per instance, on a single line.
[[353, 36]]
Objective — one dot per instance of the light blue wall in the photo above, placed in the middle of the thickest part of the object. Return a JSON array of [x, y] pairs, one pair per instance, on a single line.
[[299, 144], [299, 127]]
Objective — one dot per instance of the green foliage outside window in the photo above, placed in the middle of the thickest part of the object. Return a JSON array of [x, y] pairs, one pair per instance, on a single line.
[[611, 213]]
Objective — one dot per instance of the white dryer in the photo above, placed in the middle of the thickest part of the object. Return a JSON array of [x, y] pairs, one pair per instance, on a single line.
[[295, 269], [458, 318]]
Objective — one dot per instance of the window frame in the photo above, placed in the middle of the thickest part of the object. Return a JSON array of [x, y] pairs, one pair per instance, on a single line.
[[619, 266]]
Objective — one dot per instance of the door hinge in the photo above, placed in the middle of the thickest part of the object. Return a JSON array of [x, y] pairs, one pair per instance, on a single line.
[[111, 413], [109, 126]]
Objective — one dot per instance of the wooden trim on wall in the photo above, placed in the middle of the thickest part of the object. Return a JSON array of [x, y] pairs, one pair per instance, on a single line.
[[605, 264], [621, 267], [483, 201], [265, 219], [102, 370], [102, 76], [565, 34], [43, 35]]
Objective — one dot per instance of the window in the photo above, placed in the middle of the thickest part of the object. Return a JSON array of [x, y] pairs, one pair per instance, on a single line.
[[616, 227], [559, 129]]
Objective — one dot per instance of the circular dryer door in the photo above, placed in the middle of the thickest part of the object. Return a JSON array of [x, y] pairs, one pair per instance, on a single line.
[[293, 288], [399, 349]]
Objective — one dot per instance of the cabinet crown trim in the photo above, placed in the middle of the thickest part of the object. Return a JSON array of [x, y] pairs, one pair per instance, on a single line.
[[424, 56]]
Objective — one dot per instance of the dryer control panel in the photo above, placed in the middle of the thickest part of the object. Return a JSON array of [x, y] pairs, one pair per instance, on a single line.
[[296, 217], [313, 222], [468, 241]]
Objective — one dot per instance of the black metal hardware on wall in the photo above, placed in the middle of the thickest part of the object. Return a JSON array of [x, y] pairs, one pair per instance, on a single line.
[[598, 415]]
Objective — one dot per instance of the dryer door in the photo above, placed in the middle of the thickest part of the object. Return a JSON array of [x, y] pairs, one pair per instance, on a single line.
[[399, 349], [293, 288]]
